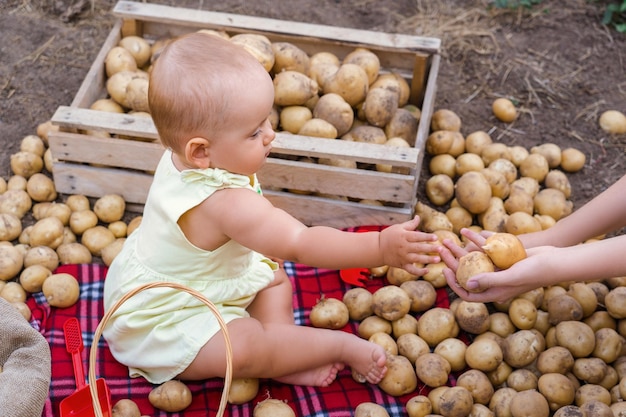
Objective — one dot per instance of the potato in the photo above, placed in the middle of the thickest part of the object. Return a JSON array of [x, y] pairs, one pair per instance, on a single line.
[[125, 408], [576, 336], [494, 217], [61, 290], [116, 85], [517, 154], [26, 164], [445, 119], [557, 389], [495, 150], [504, 110], [78, 202], [171, 396], [613, 122], [555, 359], [258, 45], [440, 142], [350, 81], [443, 164], [484, 354], [33, 144], [272, 407], [369, 409], [118, 228], [529, 403], [289, 57], [552, 202], [318, 128], [615, 302], [368, 134], [359, 303], [405, 324], [402, 124], [110, 251], [522, 379], [432, 369], [591, 392], [523, 313], [322, 65], [411, 346], [335, 110], [136, 97], [96, 238], [390, 302], [396, 82], [557, 179], [435, 276], [550, 151], [520, 348], [572, 160], [422, 294], [243, 390], [439, 189], [386, 341], [329, 313], [13, 292], [48, 231], [473, 192], [468, 162], [477, 383], [41, 255], [563, 307], [138, 47], [418, 406], [476, 141], [505, 167], [452, 350], [504, 249], [373, 324], [379, 106], [119, 59], [590, 370], [292, 118], [109, 208], [40, 187], [74, 253], [82, 220], [521, 222], [534, 166], [59, 210], [472, 264], [10, 227], [32, 278], [437, 324], [472, 317]]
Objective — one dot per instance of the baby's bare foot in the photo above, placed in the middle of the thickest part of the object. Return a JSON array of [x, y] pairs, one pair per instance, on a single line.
[[318, 377], [373, 368]]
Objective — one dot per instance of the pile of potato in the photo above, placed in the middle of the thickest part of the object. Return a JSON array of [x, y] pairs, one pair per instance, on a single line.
[[318, 95], [554, 351], [38, 232]]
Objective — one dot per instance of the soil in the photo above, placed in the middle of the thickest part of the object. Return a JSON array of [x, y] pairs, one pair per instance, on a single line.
[[559, 64]]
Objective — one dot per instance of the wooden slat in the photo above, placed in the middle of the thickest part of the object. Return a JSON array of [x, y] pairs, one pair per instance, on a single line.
[[112, 152], [97, 181], [320, 211], [93, 86], [207, 19], [355, 183], [143, 127]]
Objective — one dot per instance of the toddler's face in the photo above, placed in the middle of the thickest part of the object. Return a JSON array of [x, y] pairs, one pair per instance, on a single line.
[[244, 145]]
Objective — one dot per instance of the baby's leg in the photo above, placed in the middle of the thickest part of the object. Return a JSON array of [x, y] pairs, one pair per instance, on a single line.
[[295, 354], [274, 304]]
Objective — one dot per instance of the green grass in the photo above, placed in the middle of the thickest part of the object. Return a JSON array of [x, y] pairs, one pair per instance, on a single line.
[[615, 15]]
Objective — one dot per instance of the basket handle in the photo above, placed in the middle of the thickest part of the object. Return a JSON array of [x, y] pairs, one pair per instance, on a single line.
[[98, 333]]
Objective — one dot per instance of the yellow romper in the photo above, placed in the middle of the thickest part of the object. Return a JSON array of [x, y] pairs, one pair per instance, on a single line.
[[158, 332]]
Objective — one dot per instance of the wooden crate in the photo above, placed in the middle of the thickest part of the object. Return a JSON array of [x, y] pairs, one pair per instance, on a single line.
[[94, 166]]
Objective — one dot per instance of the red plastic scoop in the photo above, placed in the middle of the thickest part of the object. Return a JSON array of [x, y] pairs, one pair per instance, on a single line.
[[79, 404]]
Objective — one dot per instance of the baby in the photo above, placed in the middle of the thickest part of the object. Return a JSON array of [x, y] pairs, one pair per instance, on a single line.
[[207, 225]]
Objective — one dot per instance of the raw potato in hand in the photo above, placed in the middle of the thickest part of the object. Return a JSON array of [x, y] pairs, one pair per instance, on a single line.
[[504, 249], [472, 264]]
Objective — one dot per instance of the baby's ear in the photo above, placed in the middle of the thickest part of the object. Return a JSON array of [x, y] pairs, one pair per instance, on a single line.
[[197, 152]]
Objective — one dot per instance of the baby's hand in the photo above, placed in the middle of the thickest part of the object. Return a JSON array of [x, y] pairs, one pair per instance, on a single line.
[[406, 247]]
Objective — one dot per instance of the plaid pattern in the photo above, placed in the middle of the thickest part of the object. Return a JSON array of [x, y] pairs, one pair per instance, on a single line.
[[338, 400]]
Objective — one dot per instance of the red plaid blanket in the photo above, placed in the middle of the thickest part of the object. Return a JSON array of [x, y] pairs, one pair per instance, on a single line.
[[338, 400]]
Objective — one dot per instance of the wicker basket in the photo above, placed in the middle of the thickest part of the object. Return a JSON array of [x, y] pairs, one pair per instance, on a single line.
[[98, 333]]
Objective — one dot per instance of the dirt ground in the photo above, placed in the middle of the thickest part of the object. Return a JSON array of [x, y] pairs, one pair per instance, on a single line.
[[559, 63]]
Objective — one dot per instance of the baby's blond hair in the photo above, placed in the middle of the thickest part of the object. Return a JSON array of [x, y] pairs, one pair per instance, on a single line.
[[190, 83]]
